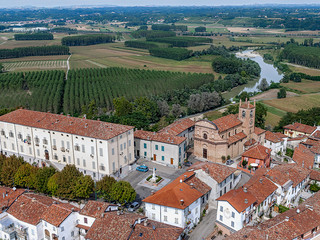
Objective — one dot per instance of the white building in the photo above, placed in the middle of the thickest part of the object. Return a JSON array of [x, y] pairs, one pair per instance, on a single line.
[[277, 142], [96, 148], [181, 128], [235, 210], [161, 148], [219, 177], [179, 203]]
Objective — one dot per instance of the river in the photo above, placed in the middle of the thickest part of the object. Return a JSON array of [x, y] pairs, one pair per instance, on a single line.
[[268, 71]]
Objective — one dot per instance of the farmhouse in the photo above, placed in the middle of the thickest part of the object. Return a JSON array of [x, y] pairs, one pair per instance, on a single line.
[[226, 136], [296, 129], [96, 148]]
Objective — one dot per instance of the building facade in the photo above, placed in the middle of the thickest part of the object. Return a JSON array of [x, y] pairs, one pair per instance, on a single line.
[[225, 137], [96, 148], [277, 142]]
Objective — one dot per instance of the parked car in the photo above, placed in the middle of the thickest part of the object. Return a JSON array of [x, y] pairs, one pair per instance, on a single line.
[[188, 164], [142, 168], [229, 162], [134, 206]]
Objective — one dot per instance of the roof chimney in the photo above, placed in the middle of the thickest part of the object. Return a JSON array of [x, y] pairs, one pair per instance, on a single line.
[[246, 201], [102, 215], [181, 202], [260, 180], [84, 116], [139, 220], [287, 219], [298, 210], [145, 223], [86, 125], [185, 176], [181, 180], [245, 189]]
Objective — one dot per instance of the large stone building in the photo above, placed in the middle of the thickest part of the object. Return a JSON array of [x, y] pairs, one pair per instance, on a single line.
[[96, 148], [227, 136]]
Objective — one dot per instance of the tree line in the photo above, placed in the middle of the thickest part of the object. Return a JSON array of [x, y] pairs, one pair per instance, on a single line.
[[33, 36], [69, 183], [181, 41], [33, 51], [171, 53], [166, 27], [141, 44], [85, 40], [151, 34]]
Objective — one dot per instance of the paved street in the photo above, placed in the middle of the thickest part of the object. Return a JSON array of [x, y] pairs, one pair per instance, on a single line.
[[205, 227], [135, 176]]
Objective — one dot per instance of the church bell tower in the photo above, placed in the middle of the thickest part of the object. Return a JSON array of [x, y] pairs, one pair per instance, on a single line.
[[247, 113]]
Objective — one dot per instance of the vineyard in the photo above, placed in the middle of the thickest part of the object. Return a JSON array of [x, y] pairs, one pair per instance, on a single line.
[[103, 85], [41, 91], [35, 65]]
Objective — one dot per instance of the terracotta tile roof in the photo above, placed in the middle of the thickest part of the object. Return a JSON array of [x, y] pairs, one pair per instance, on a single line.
[[281, 174], [113, 226], [303, 156], [58, 212], [239, 199], [66, 124], [172, 194], [289, 225], [83, 227], [159, 137], [30, 207], [310, 142], [8, 196], [227, 122], [280, 135], [299, 127], [237, 137], [261, 188], [316, 148], [257, 152], [259, 131], [298, 138], [217, 171], [246, 105], [250, 142], [316, 135], [198, 184], [95, 208], [315, 175], [274, 137], [178, 126]]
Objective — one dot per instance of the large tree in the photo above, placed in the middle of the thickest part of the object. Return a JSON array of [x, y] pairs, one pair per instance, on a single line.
[[9, 168], [123, 192], [84, 187], [26, 176], [66, 180], [104, 187], [42, 177], [122, 106]]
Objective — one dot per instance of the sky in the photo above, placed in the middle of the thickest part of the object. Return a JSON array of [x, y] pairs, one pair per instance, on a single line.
[[56, 3]]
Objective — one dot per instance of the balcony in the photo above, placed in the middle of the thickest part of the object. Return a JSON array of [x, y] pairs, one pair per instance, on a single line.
[[54, 147], [63, 149]]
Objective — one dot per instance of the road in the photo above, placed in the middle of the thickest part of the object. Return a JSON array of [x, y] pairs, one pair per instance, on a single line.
[[205, 227], [165, 172]]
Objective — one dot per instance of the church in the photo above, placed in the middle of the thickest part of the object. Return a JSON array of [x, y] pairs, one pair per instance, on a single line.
[[227, 136]]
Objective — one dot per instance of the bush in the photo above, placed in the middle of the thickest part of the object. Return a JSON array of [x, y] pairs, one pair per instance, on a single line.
[[282, 93], [314, 187], [200, 29], [283, 209]]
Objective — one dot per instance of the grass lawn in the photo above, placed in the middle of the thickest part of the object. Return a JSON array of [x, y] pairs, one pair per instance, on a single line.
[[306, 86], [305, 70], [213, 115], [294, 104]]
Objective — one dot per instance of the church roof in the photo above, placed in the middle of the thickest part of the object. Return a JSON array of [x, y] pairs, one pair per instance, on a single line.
[[227, 122]]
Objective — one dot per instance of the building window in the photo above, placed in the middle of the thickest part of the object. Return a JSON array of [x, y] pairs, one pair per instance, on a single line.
[[10, 134], [233, 215], [129, 143], [78, 161], [72, 233], [144, 145], [165, 218], [30, 150], [205, 136], [93, 165], [153, 207], [120, 147], [69, 159], [232, 224], [5, 145], [120, 136], [145, 154], [176, 211], [112, 140], [153, 216], [68, 145], [45, 223], [63, 238], [113, 166], [220, 193], [196, 210], [64, 159], [83, 148], [21, 148], [221, 218], [162, 158], [32, 231], [221, 208], [129, 156], [12, 146], [84, 163], [176, 221], [38, 152], [62, 229], [85, 220], [92, 150], [112, 151], [162, 148], [94, 175], [101, 152], [165, 209]]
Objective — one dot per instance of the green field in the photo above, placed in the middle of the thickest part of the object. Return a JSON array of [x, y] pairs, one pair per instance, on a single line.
[[34, 65]]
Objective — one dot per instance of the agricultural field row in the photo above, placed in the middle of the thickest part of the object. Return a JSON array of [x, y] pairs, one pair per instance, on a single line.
[[13, 66]]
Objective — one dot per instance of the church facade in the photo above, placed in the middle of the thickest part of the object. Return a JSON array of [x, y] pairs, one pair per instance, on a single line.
[[227, 136]]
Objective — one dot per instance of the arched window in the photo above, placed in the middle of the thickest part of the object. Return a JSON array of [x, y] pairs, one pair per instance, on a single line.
[[251, 113], [205, 136], [243, 113]]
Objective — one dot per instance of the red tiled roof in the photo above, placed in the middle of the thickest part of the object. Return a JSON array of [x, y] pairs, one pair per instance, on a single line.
[[299, 127], [66, 124], [257, 152], [30, 207], [316, 134], [178, 126], [315, 175], [227, 122], [217, 171], [8, 196], [159, 137], [198, 184], [172, 194], [259, 131], [237, 137], [281, 174], [113, 226], [237, 198], [288, 225], [250, 142], [83, 227], [246, 104], [261, 188], [274, 137], [58, 212], [303, 156], [298, 138], [310, 142], [95, 208]]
